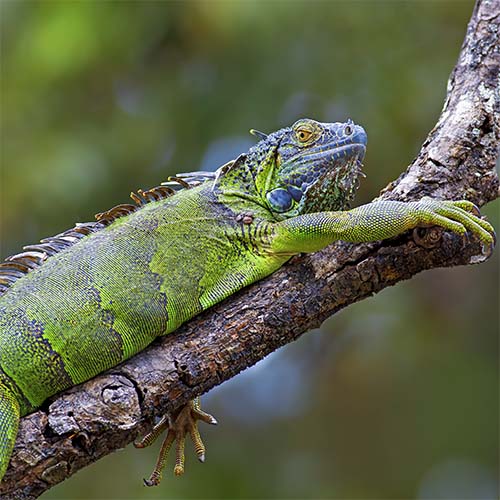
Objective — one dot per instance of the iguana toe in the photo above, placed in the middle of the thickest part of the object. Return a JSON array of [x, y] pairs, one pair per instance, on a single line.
[[184, 421]]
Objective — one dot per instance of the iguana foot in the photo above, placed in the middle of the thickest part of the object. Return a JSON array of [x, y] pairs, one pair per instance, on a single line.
[[183, 421], [460, 216]]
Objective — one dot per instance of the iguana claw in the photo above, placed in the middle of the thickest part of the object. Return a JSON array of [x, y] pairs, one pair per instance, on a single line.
[[459, 216], [182, 422]]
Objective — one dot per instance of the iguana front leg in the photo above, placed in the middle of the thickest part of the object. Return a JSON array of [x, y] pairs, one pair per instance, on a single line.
[[181, 422], [377, 221]]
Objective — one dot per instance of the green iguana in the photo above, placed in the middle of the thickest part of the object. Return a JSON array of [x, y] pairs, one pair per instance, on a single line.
[[93, 296]]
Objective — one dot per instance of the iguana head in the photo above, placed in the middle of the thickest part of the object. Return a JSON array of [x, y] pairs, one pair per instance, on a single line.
[[308, 167]]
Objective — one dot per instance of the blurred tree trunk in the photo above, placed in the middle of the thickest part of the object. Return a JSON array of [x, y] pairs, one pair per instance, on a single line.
[[457, 160]]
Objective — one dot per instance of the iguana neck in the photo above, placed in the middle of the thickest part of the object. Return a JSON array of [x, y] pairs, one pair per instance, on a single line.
[[243, 183]]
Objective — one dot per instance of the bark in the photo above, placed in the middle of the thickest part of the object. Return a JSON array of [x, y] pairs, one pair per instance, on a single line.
[[457, 160]]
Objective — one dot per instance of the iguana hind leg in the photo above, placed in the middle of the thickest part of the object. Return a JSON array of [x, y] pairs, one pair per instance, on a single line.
[[183, 421], [9, 423]]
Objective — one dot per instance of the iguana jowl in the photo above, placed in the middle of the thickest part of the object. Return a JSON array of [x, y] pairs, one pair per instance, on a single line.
[[95, 295]]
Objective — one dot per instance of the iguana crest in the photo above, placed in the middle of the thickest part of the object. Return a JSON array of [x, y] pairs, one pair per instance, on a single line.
[[16, 266]]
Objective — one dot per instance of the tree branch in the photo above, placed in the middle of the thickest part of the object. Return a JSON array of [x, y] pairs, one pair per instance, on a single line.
[[456, 161]]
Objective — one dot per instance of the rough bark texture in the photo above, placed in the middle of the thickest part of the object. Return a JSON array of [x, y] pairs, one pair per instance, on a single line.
[[456, 161]]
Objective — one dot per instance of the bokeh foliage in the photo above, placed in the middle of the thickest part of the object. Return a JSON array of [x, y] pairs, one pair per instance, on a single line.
[[396, 397]]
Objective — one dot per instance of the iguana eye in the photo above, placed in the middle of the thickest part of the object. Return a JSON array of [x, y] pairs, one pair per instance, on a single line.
[[303, 135], [348, 130], [280, 200]]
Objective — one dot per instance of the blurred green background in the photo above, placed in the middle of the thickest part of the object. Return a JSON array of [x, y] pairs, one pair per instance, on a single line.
[[395, 397]]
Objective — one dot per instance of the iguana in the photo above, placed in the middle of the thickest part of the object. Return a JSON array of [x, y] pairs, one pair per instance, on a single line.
[[93, 296]]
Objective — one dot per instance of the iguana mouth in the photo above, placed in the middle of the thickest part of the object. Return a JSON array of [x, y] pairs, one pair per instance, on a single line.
[[342, 163], [335, 153]]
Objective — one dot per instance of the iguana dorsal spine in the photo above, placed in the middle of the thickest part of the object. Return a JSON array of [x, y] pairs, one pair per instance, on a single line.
[[16, 266]]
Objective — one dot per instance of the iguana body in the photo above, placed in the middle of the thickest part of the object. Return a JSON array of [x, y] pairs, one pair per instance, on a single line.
[[107, 295]]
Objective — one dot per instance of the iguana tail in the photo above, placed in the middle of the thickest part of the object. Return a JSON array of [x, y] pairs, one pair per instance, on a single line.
[[9, 422]]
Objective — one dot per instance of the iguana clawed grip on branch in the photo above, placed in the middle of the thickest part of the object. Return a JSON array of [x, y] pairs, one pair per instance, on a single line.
[[86, 300]]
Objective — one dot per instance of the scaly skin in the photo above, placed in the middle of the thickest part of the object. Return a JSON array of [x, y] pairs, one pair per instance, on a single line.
[[105, 298]]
